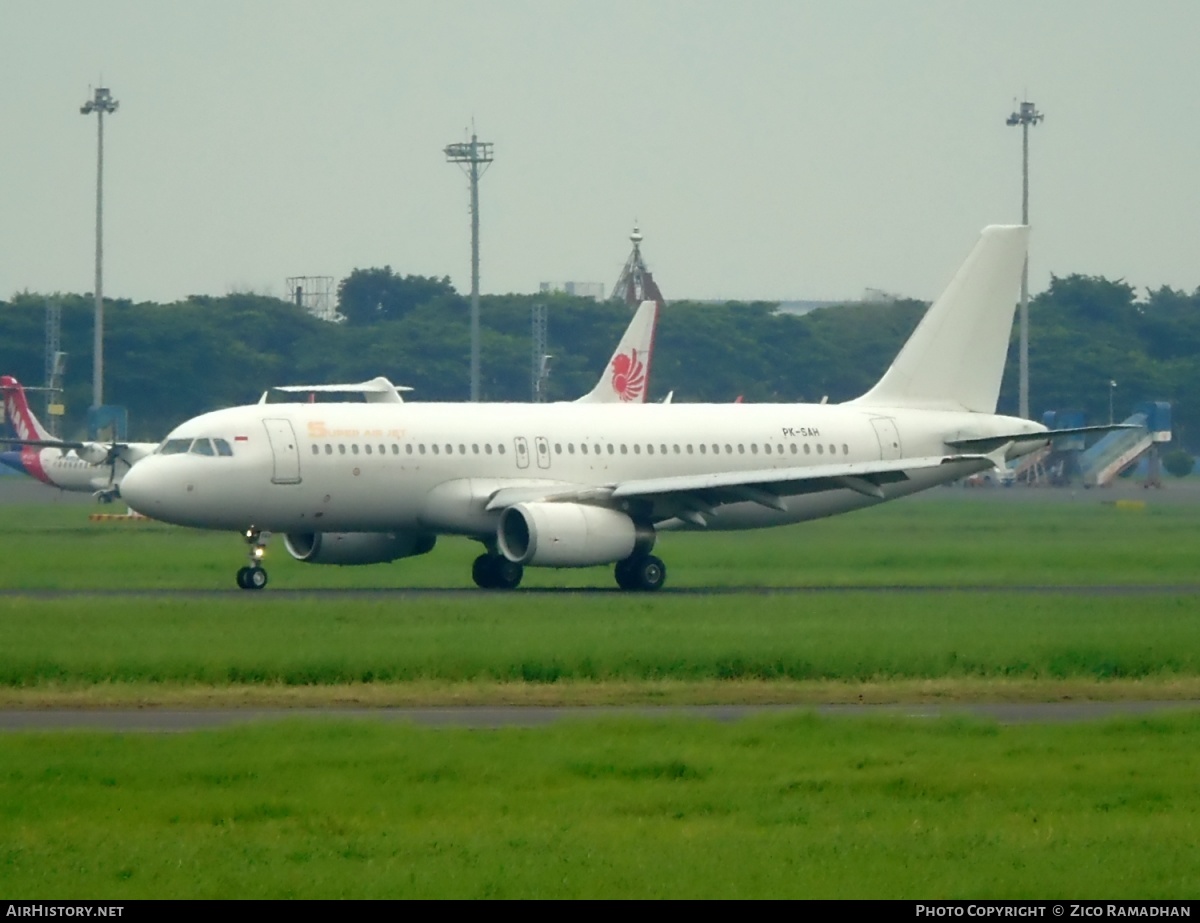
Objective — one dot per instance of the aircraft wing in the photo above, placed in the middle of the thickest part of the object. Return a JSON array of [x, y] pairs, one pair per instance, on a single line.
[[769, 484], [44, 443], [690, 496], [94, 453]]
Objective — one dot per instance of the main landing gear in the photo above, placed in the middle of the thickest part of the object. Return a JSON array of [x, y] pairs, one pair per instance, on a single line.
[[254, 576], [641, 572], [496, 572]]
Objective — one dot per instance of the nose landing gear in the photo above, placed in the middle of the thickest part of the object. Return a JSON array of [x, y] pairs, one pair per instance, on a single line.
[[254, 576]]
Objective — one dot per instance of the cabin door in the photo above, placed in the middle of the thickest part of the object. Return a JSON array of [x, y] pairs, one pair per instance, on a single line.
[[522, 446], [285, 451], [888, 436]]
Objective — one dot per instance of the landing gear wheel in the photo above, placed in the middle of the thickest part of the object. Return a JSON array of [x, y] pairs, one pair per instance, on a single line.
[[642, 573], [483, 573], [493, 572], [508, 574], [621, 572], [251, 578]]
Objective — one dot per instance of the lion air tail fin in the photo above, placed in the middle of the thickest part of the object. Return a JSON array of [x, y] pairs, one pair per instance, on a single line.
[[626, 378]]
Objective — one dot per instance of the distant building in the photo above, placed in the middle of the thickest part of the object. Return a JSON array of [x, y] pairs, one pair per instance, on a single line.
[[579, 289], [803, 307]]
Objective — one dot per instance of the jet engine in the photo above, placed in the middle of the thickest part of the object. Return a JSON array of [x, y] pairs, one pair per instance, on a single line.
[[356, 547], [569, 535]]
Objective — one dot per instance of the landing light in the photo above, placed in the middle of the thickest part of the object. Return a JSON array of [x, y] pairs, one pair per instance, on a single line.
[[258, 552]]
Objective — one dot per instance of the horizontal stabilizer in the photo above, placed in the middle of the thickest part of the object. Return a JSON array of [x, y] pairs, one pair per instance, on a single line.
[[376, 391], [985, 444]]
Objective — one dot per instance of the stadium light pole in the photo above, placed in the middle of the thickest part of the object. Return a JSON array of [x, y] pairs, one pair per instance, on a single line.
[[101, 103], [470, 155], [1025, 116]]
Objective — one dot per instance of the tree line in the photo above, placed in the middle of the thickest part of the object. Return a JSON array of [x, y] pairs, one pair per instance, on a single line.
[[167, 362]]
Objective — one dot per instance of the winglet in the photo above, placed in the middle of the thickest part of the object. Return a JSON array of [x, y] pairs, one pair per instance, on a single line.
[[954, 360], [626, 378]]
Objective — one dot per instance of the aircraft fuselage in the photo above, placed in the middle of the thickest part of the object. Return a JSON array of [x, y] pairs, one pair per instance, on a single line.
[[363, 468]]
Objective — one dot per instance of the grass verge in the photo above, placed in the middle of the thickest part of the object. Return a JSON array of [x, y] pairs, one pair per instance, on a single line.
[[777, 806]]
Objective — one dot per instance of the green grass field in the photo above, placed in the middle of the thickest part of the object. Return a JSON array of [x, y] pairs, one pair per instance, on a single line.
[[779, 806], [768, 807], [580, 647]]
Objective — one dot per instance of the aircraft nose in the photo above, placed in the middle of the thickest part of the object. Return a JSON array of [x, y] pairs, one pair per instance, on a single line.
[[141, 488]]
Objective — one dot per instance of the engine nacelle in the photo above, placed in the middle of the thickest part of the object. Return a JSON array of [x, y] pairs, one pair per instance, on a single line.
[[93, 453], [569, 535], [356, 547]]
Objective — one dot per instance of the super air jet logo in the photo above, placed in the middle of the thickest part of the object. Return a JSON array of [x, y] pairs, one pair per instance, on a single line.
[[628, 376]]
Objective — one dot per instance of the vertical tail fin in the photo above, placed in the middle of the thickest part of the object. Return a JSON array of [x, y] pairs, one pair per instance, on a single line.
[[21, 421], [626, 378], [954, 360]]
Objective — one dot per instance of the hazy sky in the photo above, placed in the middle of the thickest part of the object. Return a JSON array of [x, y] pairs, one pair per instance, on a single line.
[[769, 149]]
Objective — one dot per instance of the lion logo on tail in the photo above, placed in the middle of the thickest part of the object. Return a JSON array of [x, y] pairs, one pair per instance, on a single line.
[[629, 376]]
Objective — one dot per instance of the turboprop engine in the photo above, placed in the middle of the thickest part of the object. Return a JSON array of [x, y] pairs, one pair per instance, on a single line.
[[569, 535], [356, 547], [93, 453]]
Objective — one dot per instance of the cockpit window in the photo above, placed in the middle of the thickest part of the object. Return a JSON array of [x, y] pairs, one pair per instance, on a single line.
[[202, 447], [223, 447], [175, 447]]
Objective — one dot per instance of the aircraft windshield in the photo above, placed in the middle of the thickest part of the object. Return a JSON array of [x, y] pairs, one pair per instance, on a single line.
[[203, 447], [223, 447], [175, 447]]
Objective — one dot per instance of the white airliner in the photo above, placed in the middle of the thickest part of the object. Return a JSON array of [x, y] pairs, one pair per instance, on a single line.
[[95, 467], [576, 485]]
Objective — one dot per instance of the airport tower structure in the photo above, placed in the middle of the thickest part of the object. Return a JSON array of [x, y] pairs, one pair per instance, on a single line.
[[636, 284]]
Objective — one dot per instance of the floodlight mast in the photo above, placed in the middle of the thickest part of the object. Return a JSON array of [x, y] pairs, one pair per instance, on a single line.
[[471, 154], [100, 103], [1025, 116]]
